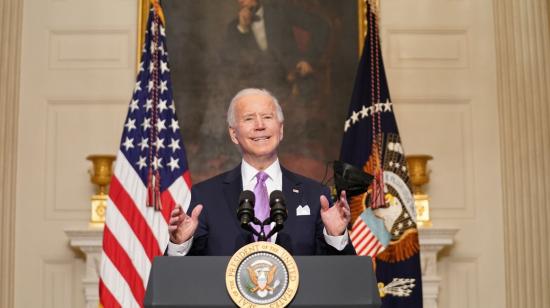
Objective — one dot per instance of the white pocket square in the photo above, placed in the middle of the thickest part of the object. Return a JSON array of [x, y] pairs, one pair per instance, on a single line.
[[302, 210]]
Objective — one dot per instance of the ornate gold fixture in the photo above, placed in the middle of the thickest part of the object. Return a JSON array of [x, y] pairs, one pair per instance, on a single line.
[[100, 175], [419, 175]]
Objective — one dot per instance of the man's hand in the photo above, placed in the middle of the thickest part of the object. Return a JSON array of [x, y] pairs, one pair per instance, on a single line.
[[181, 226], [337, 217], [304, 68]]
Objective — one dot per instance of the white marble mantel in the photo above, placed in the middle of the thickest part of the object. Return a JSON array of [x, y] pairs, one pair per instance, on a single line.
[[89, 240], [432, 240]]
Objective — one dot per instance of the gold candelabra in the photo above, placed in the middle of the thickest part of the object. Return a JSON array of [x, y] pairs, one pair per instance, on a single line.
[[100, 175], [419, 176]]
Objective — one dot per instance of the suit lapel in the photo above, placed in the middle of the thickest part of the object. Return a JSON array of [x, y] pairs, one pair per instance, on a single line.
[[232, 188], [292, 191]]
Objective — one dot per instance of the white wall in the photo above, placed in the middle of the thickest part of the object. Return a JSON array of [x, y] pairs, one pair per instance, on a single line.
[[77, 71], [440, 60]]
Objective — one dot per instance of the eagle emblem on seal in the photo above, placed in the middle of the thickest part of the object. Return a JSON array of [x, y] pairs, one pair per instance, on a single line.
[[262, 279]]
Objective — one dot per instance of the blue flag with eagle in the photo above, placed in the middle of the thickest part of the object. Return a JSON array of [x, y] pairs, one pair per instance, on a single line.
[[384, 217]]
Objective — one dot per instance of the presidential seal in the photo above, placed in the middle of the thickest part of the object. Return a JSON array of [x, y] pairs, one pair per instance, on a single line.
[[262, 274]]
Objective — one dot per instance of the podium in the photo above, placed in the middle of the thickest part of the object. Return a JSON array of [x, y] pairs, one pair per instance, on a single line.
[[325, 281]]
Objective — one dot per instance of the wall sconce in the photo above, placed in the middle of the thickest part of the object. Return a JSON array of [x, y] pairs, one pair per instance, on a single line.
[[419, 176], [100, 175]]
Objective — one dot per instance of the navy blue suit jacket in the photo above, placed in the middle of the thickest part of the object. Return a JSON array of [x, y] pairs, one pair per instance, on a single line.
[[219, 231]]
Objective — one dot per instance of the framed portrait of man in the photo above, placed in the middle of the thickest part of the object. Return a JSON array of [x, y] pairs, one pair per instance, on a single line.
[[305, 52]]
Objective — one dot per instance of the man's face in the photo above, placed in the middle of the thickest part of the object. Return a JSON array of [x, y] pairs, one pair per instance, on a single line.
[[257, 131], [248, 4]]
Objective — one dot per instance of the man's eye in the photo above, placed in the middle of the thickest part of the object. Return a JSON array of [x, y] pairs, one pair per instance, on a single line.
[[268, 117]]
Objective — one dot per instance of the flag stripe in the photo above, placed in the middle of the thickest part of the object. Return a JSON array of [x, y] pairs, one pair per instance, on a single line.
[[187, 178], [367, 243], [114, 251], [137, 191], [357, 230], [127, 240], [364, 241], [379, 250], [116, 284], [360, 236], [107, 300], [359, 245], [180, 191], [373, 248], [362, 252], [138, 224]]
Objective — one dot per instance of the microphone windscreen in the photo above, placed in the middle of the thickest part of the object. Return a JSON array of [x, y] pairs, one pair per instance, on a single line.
[[276, 196], [247, 194]]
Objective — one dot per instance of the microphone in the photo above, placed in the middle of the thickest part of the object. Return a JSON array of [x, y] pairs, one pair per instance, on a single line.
[[278, 212], [245, 212]]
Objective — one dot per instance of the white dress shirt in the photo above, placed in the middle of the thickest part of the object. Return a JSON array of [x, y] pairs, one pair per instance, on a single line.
[[258, 29]]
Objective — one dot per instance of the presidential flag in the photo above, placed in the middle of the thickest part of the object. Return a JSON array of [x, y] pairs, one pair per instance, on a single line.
[[383, 218], [150, 178]]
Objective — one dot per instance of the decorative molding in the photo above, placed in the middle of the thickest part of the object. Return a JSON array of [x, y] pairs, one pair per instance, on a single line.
[[10, 54], [452, 184], [89, 49], [461, 283], [66, 118], [427, 48], [522, 33], [57, 283]]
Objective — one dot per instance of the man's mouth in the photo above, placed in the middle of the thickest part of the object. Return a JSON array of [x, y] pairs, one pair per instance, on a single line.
[[261, 138]]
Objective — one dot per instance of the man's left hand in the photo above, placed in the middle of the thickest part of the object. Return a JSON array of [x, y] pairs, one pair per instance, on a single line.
[[337, 217]]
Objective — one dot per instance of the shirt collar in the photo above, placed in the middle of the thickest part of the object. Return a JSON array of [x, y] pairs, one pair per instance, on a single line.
[[260, 12], [249, 173]]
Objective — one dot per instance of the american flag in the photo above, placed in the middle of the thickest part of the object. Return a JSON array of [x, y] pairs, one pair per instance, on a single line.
[[384, 218], [150, 178]]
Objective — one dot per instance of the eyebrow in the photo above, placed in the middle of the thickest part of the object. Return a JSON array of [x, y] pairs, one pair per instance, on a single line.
[[254, 113]]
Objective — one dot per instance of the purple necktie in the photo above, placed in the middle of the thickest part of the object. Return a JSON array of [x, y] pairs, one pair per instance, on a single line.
[[261, 208]]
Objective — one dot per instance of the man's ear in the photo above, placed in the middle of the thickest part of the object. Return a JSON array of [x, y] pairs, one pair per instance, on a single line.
[[282, 133], [233, 135]]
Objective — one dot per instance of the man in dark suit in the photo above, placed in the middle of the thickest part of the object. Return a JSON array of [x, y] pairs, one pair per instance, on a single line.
[[273, 43], [255, 123]]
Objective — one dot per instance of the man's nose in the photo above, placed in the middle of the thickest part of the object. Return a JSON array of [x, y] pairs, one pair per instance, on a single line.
[[259, 123]]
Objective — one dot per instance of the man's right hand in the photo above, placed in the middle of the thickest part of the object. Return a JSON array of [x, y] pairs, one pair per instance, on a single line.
[[181, 226]]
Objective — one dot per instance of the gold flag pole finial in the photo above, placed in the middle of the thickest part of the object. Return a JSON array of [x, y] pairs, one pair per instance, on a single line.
[[159, 11], [362, 8]]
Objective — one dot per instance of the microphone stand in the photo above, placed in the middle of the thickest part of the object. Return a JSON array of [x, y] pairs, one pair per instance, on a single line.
[[275, 229], [261, 235]]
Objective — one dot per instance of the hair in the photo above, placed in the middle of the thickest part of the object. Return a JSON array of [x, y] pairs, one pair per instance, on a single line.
[[250, 91]]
